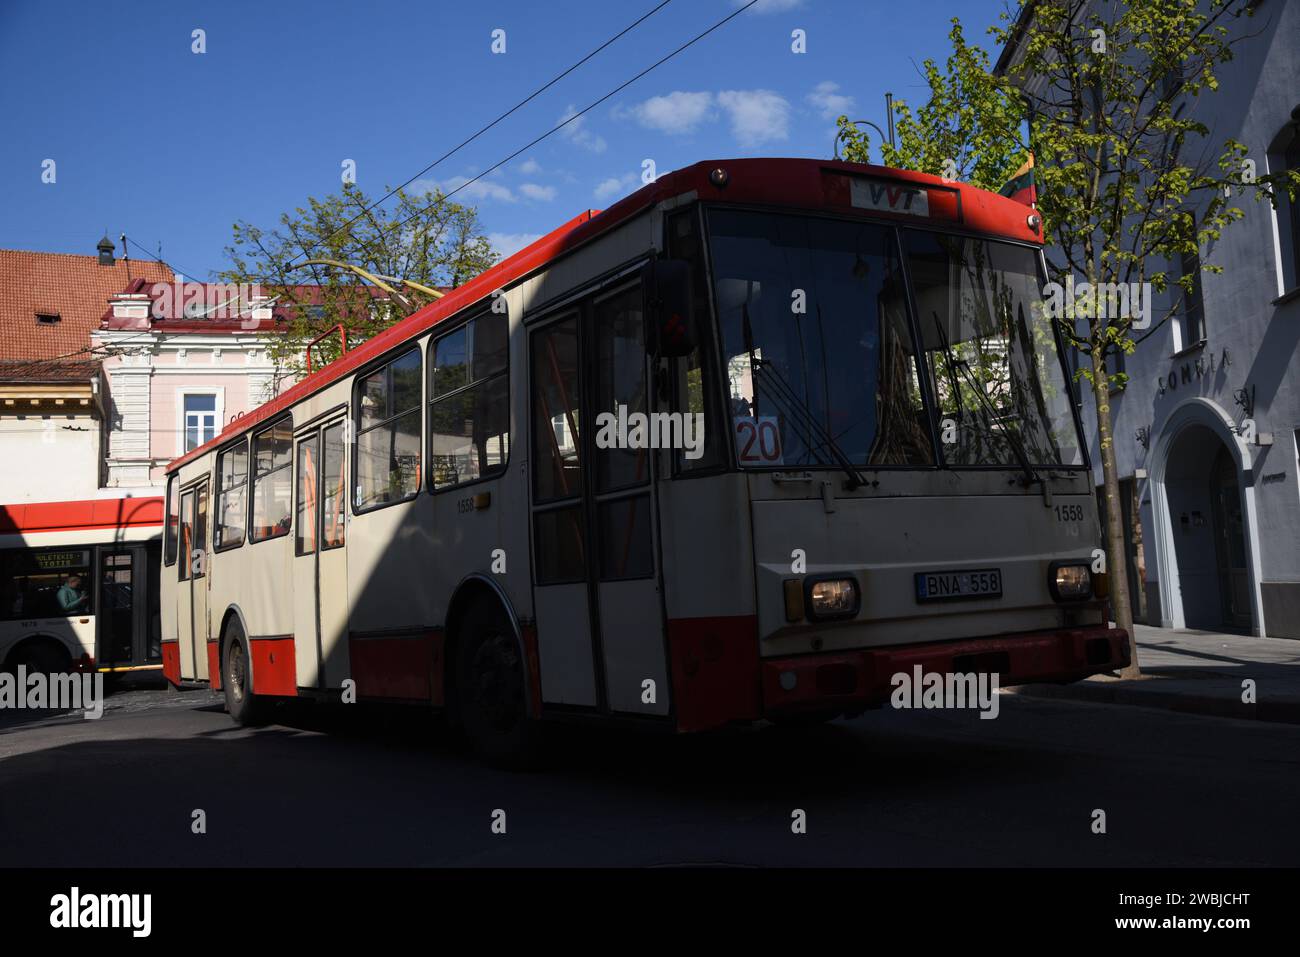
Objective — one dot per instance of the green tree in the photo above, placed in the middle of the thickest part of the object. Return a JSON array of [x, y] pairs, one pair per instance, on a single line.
[[424, 238], [970, 128], [1109, 97]]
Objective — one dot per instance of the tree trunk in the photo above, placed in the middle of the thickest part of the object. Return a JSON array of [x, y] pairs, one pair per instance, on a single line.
[[1116, 552]]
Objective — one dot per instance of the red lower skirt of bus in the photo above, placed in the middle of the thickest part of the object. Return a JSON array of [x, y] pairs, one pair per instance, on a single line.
[[857, 679]]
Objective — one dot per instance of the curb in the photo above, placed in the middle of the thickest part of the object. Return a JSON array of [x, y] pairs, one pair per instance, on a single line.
[[1283, 711]]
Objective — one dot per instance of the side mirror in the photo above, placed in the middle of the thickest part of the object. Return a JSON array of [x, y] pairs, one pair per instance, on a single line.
[[670, 319]]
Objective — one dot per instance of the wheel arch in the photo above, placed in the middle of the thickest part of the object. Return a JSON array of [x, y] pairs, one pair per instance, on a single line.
[[44, 638], [472, 589], [232, 613]]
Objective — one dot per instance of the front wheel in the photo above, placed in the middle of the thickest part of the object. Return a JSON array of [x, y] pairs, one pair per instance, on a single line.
[[237, 679], [492, 692]]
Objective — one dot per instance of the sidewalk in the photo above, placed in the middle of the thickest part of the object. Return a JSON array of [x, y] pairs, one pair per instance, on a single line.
[[1200, 672]]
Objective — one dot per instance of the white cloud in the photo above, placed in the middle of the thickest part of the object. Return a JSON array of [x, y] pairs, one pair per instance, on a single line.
[[578, 133], [421, 186], [756, 115], [828, 102], [530, 167], [678, 112], [507, 244], [534, 191], [616, 186], [770, 6], [480, 189]]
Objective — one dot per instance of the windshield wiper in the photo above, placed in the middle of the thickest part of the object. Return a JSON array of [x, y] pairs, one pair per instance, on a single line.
[[1022, 457], [784, 392]]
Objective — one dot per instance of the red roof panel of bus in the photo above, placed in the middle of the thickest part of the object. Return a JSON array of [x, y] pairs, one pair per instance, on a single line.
[[797, 183], [106, 513]]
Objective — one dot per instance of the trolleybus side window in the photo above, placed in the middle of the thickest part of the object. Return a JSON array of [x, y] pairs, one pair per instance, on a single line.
[[186, 535], [232, 511], [469, 402], [200, 530], [170, 530], [333, 488], [694, 376], [557, 481], [45, 583], [818, 351], [308, 492], [387, 402], [272, 481], [623, 521]]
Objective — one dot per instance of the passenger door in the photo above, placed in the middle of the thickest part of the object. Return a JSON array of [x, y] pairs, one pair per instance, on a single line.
[[122, 608], [597, 598], [192, 590], [320, 560]]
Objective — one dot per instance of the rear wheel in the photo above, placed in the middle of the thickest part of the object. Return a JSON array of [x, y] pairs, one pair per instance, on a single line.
[[491, 690], [237, 678], [41, 656]]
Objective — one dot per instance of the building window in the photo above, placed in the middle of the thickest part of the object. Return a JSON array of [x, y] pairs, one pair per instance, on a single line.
[[200, 410], [1284, 156], [47, 318], [232, 481], [1292, 160], [1191, 313], [272, 481], [469, 402], [388, 433]]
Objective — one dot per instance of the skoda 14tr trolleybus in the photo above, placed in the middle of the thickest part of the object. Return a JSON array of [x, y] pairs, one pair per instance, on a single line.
[[743, 446]]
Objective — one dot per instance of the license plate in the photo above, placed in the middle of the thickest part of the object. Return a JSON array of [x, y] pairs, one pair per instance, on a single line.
[[967, 583]]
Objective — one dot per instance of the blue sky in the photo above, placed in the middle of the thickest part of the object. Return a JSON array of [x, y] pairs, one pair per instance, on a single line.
[[170, 146]]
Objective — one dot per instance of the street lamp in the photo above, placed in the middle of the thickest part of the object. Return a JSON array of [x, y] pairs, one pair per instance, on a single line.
[[840, 134]]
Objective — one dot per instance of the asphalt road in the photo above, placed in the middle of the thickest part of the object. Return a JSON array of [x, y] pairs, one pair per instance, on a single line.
[[352, 786]]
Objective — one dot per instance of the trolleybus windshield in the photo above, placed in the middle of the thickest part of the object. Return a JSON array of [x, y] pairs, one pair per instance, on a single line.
[[820, 356]]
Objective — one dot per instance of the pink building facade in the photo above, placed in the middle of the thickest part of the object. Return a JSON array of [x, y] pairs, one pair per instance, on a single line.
[[176, 377]]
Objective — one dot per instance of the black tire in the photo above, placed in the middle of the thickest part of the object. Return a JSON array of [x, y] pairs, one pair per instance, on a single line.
[[492, 692], [41, 657], [244, 707]]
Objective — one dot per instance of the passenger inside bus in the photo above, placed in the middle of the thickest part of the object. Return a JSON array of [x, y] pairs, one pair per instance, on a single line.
[[71, 596]]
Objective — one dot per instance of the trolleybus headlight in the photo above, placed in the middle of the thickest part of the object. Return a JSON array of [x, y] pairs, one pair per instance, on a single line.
[[831, 598], [1069, 582]]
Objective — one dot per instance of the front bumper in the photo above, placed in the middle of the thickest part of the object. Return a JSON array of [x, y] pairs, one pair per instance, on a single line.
[[856, 680]]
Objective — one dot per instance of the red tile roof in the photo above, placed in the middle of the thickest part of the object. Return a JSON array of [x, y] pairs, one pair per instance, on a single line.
[[77, 288], [48, 370]]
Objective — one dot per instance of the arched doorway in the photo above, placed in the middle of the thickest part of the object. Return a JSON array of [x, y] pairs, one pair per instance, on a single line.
[[1203, 497], [1230, 543]]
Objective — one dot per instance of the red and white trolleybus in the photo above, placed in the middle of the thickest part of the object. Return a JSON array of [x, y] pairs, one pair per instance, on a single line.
[[79, 585], [890, 474]]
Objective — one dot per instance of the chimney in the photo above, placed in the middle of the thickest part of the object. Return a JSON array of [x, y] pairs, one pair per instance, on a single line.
[[105, 248]]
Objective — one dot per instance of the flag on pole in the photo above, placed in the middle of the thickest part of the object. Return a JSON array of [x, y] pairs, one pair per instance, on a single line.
[[1022, 187]]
